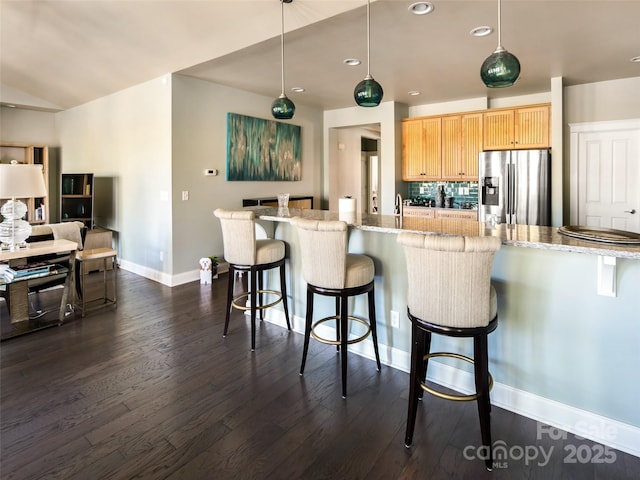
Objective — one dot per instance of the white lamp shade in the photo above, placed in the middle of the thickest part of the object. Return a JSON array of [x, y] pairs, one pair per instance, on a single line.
[[21, 181]]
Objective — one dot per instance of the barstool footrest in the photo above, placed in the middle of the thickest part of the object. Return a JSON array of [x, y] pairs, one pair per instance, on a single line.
[[338, 342], [451, 396], [235, 303]]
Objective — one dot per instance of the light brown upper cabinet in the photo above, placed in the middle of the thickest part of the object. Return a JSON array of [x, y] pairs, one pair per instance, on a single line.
[[421, 145], [517, 128], [461, 143]]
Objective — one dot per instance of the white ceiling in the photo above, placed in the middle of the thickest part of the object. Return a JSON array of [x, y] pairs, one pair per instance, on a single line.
[[59, 54]]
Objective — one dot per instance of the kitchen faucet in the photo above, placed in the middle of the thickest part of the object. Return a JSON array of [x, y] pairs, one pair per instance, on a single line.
[[398, 207]]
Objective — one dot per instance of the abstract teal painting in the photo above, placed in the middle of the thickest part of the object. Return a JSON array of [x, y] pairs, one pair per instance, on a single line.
[[262, 150]]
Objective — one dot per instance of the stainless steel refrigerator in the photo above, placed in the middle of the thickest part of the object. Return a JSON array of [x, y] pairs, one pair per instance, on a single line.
[[515, 185]]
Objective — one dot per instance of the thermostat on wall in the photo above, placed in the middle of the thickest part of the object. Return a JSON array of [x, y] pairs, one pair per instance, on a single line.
[[211, 171]]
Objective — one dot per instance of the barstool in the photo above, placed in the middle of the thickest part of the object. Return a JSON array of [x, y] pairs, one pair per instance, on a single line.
[[450, 293], [245, 253], [329, 270], [108, 257]]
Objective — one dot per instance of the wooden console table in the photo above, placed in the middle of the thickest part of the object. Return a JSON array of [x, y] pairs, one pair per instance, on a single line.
[[18, 290]]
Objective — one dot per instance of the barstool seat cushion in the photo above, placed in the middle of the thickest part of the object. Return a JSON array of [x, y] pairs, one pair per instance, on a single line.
[[360, 270], [269, 251]]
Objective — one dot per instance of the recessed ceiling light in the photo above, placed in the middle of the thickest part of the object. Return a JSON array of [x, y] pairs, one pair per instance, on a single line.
[[413, 93], [482, 31], [635, 59], [421, 8], [297, 89], [352, 62]]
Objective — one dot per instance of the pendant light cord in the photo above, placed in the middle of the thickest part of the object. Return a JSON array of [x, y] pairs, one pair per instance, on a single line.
[[282, 45], [368, 39], [499, 27]]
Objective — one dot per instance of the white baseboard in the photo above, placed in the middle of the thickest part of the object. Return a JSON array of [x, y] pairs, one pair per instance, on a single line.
[[165, 278], [603, 430]]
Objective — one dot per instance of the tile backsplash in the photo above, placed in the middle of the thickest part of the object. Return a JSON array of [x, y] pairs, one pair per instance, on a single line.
[[451, 189]]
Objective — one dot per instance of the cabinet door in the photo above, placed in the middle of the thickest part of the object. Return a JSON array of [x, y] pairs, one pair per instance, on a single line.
[[457, 214], [451, 147], [432, 169], [499, 130], [532, 127], [461, 144], [412, 149], [471, 140]]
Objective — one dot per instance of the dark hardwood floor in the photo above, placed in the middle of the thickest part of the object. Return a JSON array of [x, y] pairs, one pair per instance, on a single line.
[[151, 390]]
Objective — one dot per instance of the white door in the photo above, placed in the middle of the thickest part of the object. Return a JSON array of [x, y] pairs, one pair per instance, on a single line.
[[606, 175]]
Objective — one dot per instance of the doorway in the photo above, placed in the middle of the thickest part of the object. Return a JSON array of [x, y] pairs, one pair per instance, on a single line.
[[606, 174], [370, 168], [354, 166]]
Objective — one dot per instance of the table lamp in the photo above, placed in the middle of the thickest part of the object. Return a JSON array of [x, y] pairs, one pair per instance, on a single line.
[[18, 181]]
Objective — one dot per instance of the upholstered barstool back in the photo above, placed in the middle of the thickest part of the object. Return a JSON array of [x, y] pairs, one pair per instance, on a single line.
[[450, 278], [450, 293], [329, 270], [245, 253]]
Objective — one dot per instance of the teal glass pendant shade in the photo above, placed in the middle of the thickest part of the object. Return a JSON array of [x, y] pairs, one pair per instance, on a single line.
[[368, 93], [282, 108], [500, 69]]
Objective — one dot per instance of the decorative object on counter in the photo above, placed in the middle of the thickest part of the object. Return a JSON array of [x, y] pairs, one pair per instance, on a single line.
[[440, 197], [599, 234], [501, 68], [347, 208], [262, 150], [368, 93], [18, 181], [330, 271], [282, 108], [245, 253], [464, 305], [283, 200]]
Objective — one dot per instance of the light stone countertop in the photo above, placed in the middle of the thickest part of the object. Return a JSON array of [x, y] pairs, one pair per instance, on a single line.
[[529, 236]]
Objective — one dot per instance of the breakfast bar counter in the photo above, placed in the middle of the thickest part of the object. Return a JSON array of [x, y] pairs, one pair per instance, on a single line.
[[564, 353], [530, 236]]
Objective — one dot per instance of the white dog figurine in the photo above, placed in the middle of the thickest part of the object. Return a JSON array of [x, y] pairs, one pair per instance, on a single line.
[[205, 271]]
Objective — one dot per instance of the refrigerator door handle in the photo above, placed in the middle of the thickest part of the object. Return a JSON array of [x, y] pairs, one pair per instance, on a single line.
[[512, 190]]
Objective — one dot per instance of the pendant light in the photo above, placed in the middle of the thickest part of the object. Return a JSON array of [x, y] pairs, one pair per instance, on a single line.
[[501, 68], [368, 93], [282, 108]]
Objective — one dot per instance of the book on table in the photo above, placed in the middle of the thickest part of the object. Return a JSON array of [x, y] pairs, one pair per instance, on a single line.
[[30, 270]]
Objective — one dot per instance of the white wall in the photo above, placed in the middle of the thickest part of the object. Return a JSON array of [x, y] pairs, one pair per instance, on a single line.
[[127, 136], [199, 141]]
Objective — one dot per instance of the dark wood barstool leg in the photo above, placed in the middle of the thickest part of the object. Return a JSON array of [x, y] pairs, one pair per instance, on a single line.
[[417, 363], [307, 328], [231, 275], [337, 323], [481, 360], [261, 295], [344, 320], [372, 324], [283, 290], [425, 363], [253, 296]]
